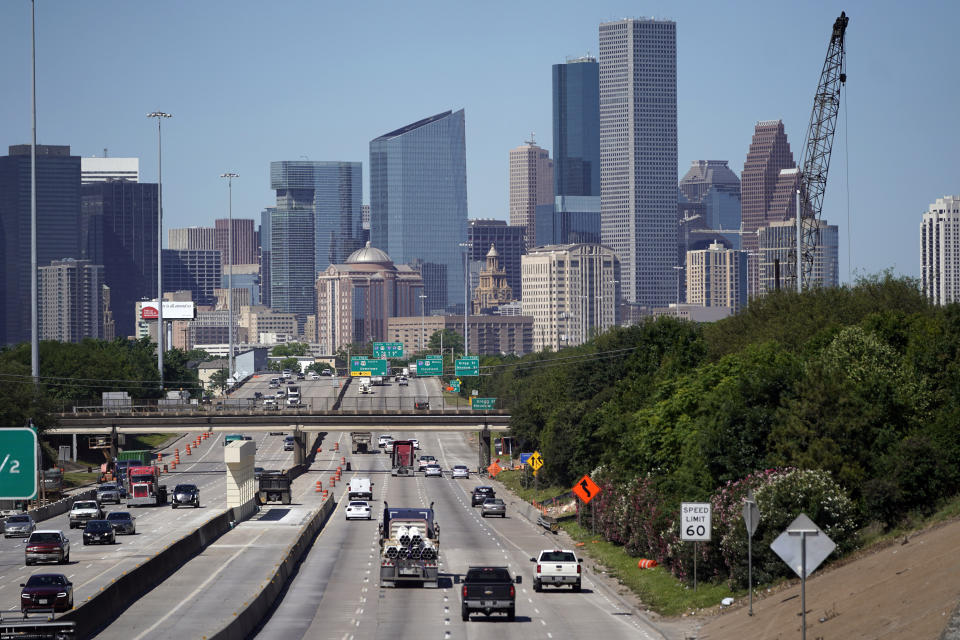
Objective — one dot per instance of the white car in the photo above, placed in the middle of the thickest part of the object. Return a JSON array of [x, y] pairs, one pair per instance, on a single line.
[[358, 509], [314, 375], [416, 443], [433, 470], [423, 461], [460, 471], [384, 441]]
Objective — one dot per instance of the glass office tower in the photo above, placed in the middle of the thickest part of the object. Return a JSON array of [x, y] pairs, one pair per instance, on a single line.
[[418, 200], [576, 128]]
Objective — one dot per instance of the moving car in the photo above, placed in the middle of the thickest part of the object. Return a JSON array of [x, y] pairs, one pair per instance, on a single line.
[[46, 591], [360, 489], [403, 381], [493, 507], [47, 545], [489, 590], [84, 510], [433, 470], [184, 495], [384, 441], [108, 492], [421, 404], [99, 532], [480, 494], [557, 567], [289, 443], [20, 525], [460, 471], [416, 443], [122, 522], [424, 460], [270, 403], [359, 509]]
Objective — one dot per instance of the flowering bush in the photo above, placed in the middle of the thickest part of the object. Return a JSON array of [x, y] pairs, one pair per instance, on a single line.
[[781, 495]]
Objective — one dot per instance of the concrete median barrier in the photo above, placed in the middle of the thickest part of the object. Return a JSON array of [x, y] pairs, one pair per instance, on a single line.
[[62, 505], [103, 608], [249, 618]]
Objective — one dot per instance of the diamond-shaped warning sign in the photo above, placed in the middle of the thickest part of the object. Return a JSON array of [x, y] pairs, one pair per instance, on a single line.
[[494, 469], [586, 489]]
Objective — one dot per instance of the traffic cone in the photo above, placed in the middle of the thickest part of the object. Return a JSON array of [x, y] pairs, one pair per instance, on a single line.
[[343, 460], [188, 449], [319, 486], [159, 457], [336, 446]]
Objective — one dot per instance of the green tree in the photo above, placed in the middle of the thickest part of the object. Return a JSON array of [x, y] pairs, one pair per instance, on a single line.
[[450, 338], [318, 367], [291, 349], [218, 379], [287, 363]]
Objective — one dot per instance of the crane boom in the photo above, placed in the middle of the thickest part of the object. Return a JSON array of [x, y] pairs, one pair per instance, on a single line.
[[815, 162]]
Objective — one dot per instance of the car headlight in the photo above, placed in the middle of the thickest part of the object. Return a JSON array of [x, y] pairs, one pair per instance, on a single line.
[[25, 595], [62, 594]]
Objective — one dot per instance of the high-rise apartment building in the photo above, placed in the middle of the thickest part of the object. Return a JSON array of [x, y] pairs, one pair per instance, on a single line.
[[940, 251], [531, 186], [70, 300], [638, 154], [196, 271], [58, 224], [109, 170], [717, 277], [244, 240], [777, 257], [192, 238], [769, 154], [119, 230], [571, 291], [508, 239], [418, 200]]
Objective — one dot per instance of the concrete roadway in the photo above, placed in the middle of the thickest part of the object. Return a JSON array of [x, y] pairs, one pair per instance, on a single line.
[[336, 593], [94, 566]]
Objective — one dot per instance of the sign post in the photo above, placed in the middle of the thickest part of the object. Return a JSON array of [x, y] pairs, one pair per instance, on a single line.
[[695, 527], [18, 464], [586, 489], [751, 517], [535, 462], [803, 546]]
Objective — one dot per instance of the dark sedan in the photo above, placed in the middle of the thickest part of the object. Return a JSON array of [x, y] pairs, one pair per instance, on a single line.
[[122, 522], [99, 532], [480, 494], [185, 495], [47, 591]]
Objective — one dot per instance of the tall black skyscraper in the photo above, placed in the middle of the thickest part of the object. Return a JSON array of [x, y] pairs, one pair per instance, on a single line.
[[58, 218], [119, 230], [195, 270], [508, 240]]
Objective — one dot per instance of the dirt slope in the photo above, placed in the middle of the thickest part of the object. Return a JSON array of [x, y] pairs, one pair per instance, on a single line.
[[907, 591]]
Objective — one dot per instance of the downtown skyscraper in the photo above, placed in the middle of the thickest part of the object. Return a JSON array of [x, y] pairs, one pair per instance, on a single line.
[[531, 186], [638, 155], [418, 202]]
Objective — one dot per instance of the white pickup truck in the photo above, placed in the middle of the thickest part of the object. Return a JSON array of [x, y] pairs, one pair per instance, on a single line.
[[84, 510], [556, 567]]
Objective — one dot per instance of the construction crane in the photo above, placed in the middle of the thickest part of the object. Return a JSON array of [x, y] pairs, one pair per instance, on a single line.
[[815, 162]]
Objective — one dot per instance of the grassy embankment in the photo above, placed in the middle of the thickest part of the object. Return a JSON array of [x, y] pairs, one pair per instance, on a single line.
[[662, 592]]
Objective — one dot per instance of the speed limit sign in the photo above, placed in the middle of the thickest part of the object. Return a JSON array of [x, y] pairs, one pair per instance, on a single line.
[[695, 521]]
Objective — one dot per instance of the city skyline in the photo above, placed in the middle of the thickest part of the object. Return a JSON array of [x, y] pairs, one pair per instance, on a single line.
[[218, 119]]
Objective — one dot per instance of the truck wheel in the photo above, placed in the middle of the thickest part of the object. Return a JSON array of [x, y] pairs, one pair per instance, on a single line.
[[173, 506], [536, 586], [465, 614], [286, 499], [511, 615], [576, 587]]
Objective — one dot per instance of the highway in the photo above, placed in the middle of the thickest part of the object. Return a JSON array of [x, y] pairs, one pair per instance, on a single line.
[[336, 594], [92, 567]]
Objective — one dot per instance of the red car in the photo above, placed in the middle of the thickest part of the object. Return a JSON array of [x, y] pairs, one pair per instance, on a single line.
[[47, 545], [47, 591]]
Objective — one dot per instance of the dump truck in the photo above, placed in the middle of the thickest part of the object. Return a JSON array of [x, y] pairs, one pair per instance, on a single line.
[[402, 463], [273, 487], [360, 441], [409, 546]]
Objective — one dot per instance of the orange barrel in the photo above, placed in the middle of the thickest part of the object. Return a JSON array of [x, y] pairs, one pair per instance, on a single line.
[[319, 486], [159, 457], [324, 494], [643, 563], [188, 449], [336, 446]]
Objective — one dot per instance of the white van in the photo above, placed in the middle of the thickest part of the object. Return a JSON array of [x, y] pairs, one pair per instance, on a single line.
[[360, 489]]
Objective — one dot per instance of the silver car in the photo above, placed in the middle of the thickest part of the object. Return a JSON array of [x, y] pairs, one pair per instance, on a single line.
[[461, 471], [108, 492], [433, 470], [122, 522], [493, 507], [20, 525]]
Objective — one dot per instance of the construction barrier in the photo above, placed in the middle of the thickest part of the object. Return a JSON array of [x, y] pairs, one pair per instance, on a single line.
[[343, 460], [188, 450], [646, 564], [324, 494], [319, 486]]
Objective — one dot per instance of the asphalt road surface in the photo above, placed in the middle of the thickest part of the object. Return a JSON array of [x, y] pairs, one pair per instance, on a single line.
[[336, 592]]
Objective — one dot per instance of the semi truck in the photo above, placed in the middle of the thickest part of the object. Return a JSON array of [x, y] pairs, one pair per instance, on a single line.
[[143, 486], [401, 458], [360, 441], [409, 546], [273, 487]]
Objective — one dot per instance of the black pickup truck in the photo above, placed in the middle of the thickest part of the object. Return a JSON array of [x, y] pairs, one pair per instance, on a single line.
[[489, 589]]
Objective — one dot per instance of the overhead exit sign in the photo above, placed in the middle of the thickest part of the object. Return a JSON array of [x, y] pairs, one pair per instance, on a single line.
[[18, 464], [363, 366]]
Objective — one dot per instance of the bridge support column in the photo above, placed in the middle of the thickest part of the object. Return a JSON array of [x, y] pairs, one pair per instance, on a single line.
[[484, 452], [298, 446]]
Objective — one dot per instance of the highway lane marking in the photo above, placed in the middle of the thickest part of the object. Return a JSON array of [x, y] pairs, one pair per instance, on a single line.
[[543, 622], [200, 587]]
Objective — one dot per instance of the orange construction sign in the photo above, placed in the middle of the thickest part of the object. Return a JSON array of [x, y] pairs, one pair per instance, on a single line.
[[586, 489], [494, 469]]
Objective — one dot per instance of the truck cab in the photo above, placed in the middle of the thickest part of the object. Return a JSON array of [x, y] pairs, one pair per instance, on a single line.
[[366, 386], [402, 458]]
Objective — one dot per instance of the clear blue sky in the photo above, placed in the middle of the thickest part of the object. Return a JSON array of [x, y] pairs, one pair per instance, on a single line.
[[249, 82]]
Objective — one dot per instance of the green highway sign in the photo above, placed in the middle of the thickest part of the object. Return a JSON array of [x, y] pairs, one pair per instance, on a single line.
[[437, 358], [430, 367], [454, 386], [387, 349], [18, 464], [364, 366], [483, 404], [468, 366]]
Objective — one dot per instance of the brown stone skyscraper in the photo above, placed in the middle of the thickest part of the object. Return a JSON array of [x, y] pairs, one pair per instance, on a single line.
[[531, 185], [769, 153]]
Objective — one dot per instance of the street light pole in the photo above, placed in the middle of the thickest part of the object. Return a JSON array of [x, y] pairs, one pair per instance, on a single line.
[[423, 303], [678, 269], [159, 115], [466, 291], [230, 177]]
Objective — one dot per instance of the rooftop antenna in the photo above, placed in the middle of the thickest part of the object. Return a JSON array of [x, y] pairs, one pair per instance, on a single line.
[[105, 154], [532, 141]]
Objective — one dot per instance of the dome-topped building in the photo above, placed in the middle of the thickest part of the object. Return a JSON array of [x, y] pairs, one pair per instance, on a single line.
[[370, 255], [355, 299]]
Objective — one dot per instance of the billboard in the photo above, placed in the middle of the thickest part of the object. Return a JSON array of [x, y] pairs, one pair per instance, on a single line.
[[171, 310]]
